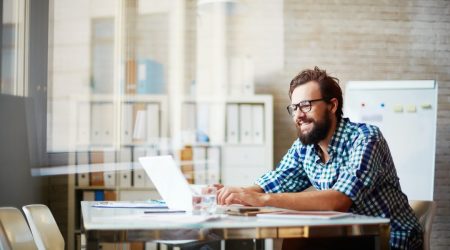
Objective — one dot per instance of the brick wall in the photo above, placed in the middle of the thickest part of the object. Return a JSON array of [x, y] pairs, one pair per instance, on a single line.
[[371, 40]]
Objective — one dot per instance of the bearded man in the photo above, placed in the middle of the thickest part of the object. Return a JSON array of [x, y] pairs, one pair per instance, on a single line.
[[349, 164]]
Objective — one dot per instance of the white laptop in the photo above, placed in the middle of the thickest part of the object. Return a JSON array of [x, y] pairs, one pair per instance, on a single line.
[[169, 181]]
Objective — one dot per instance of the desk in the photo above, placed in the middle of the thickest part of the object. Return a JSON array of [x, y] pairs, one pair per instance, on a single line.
[[128, 225]]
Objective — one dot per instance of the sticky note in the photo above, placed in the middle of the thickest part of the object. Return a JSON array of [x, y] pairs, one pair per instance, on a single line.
[[425, 106], [411, 108], [398, 108]]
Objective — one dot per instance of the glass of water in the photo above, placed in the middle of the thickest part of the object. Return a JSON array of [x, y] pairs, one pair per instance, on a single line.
[[205, 202]]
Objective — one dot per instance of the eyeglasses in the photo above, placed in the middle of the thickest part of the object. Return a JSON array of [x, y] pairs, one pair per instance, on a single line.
[[303, 106]]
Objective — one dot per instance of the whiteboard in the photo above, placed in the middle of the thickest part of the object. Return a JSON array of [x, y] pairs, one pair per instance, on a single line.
[[406, 113]]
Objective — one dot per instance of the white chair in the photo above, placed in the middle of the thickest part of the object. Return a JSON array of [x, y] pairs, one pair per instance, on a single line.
[[14, 231], [44, 228], [424, 211]]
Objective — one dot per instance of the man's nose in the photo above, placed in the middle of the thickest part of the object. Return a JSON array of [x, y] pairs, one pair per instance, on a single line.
[[299, 114]]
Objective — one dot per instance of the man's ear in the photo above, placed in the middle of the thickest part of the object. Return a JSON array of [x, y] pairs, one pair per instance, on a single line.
[[333, 105]]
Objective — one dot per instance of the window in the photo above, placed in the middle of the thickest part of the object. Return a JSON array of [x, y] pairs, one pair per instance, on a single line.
[[13, 77]]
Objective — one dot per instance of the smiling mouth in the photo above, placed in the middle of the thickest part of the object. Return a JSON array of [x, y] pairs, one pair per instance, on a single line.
[[304, 127], [303, 123]]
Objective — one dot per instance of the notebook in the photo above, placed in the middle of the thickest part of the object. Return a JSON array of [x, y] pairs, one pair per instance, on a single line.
[[169, 181], [291, 214]]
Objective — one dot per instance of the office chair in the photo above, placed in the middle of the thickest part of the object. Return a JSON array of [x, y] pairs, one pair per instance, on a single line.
[[14, 231], [424, 211], [43, 226]]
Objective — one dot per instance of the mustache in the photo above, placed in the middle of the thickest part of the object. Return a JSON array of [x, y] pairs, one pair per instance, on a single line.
[[302, 120]]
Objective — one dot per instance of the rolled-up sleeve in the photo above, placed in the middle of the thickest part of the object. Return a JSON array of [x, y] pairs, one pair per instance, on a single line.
[[360, 175], [289, 176]]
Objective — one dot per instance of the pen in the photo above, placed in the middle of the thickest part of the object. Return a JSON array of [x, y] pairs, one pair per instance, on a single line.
[[158, 207]]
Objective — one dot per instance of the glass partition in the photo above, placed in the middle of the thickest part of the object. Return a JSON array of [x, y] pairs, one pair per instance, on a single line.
[[13, 81], [112, 59]]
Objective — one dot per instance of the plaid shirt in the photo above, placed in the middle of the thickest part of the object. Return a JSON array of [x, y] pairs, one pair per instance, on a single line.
[[360, 167]]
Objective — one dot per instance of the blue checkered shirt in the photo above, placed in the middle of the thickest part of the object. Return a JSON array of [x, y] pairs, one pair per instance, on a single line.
[[360, 167]]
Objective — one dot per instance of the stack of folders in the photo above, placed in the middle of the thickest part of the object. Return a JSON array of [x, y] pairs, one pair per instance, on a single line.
[[140, 123], [140, 178], [106, 169], [201, 164], [245, 123]]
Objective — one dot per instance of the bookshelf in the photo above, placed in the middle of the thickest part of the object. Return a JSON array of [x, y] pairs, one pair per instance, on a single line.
[[111, 134], [248, 150], [227, 140], [242, 128]]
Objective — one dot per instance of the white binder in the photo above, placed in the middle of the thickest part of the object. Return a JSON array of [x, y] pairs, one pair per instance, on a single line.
[[83, 123], [189, 116], [139, 175], [96, 124], [102, 124], [124, 156], [83, 178], [107, 122], [140, 125], [245, 122], [258, 123], [199, 158], [153, 122], [188, 126], [127, 123], [213, 165], [232, 123], [109, 175]]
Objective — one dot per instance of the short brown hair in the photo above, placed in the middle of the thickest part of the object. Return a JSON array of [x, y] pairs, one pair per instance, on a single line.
[[329, 86]]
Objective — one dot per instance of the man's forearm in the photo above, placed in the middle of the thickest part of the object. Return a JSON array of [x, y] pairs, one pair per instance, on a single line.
[[325, 200], [254, 188]]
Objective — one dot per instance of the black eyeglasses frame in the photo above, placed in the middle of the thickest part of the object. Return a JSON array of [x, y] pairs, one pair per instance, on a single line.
[[304, 106]]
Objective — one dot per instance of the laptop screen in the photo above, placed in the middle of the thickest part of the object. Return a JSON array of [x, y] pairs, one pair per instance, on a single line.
[[169, 181]]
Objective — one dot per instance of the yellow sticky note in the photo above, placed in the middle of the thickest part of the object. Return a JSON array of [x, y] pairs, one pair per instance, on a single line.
[[398, 108], [411, 108], [425, 106]]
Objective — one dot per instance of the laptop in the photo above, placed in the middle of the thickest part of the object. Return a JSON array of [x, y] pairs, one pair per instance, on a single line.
[[169, 181], [173, 186]]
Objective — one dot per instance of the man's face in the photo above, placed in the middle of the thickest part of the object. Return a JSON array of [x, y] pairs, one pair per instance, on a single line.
[[312, 126]]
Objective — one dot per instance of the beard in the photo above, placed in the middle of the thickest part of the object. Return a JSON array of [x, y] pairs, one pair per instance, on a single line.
[[318, 132]]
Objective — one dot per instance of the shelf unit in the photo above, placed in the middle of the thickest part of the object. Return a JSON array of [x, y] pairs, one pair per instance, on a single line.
[[241, 160], [119, 126], [244, 161]]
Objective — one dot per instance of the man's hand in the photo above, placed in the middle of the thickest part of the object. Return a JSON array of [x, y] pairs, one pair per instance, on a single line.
[[239, 195], [324, 200]]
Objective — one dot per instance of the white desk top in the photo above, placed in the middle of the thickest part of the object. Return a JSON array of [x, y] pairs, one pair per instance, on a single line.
[[132, 224], [95, 218]]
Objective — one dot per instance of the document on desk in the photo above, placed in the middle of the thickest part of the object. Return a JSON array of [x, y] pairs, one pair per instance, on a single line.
[[183, 218], [153, 204], [321, 215]]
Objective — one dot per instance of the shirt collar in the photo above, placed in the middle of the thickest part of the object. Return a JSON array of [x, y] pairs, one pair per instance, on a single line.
[[336, 139], [338, 135]]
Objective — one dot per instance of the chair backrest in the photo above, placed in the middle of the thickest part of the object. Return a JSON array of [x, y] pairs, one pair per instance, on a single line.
[[44, 228], [424, 211], [14, 230]]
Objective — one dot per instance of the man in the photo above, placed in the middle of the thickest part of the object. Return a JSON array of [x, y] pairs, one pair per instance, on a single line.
[[348, 163]]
